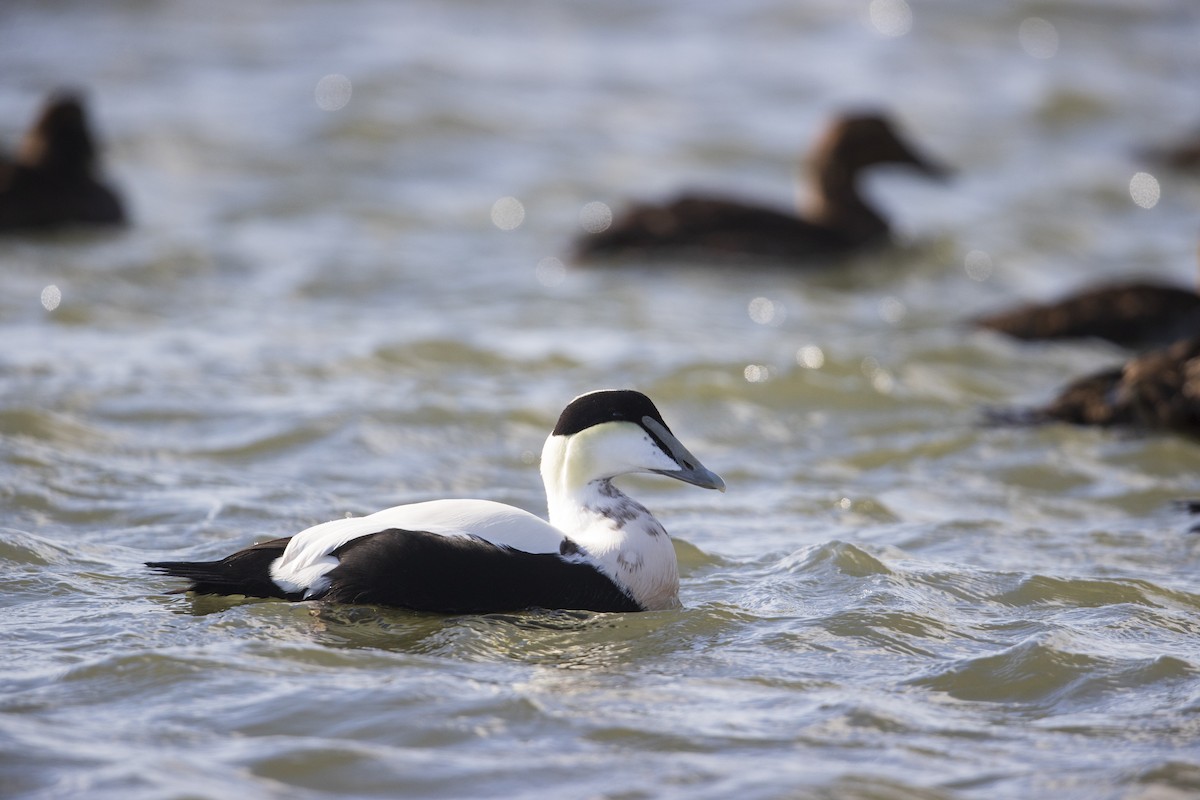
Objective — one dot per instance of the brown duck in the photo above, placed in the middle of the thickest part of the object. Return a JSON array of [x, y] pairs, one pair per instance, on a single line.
[[52, 180], [1129, 314], [1181, 155], [838, 220], [1158, 390]]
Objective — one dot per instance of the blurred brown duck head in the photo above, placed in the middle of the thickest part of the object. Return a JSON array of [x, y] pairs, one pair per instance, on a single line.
[[60, 141], [51, 179], [851, 144], [855, 141]]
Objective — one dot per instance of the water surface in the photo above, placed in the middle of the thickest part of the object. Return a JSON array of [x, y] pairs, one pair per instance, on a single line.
[[316, 315]]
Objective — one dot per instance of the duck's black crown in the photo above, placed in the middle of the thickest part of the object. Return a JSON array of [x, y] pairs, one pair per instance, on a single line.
[[608, 405]]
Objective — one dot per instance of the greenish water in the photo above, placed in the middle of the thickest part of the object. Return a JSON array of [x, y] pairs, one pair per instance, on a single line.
[[315, 315]]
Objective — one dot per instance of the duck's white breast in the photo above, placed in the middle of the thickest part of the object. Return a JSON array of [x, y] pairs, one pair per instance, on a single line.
[[307, 558]]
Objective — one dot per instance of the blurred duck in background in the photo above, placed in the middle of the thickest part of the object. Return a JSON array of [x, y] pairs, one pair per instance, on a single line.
[[838, 218], [52, 179], [1158, 390], [1183, 154], [1134, 314]]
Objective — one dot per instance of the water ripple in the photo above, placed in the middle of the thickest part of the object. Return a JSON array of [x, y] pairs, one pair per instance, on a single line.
[[1046, 674]]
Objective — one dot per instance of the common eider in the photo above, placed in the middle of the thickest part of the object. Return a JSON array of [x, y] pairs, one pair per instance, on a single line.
[[600, 551], [52, 179], [838, 219], [1157, 390], [1132, 314]]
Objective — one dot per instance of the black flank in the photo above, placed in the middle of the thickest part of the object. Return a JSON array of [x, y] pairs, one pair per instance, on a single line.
[[464, 575], [246, 572]]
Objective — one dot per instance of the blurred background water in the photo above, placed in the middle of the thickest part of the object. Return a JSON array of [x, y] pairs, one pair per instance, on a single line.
[[346, 286]]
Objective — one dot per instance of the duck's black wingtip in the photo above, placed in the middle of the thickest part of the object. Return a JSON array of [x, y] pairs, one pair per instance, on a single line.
[[174, 569], [181, 569]]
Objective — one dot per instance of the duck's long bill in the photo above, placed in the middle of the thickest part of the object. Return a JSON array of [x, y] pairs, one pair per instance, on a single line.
[[690, 469], [901, 151], [931, 167]]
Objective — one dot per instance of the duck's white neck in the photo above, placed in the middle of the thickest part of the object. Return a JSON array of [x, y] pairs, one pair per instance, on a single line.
[[621, 535]]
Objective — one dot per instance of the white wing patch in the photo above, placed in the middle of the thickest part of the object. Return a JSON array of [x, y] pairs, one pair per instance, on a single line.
[[303, 565]]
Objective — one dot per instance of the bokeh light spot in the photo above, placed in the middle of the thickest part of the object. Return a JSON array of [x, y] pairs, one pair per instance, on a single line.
[[333, 92], [508, 213], [764, 311], [51, 297], [891, 18], [756, 373], [810, 357], [978, 265], [1144, 190], [892, 310], [550, 271], [881, 380], [595, 217], [1038, 37]]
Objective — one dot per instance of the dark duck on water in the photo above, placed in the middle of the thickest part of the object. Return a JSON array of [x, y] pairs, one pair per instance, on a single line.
[[1158, 390], [52, 179], [600, 551], [838, 220], [1130, 314]]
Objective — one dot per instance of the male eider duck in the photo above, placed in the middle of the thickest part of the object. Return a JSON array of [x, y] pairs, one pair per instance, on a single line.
[[838, 219], [1158, 390], [600, 551], [51, 180]]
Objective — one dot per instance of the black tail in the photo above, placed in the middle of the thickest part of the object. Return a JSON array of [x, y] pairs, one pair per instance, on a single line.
[[246, 572]]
